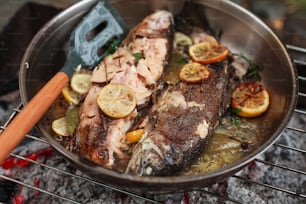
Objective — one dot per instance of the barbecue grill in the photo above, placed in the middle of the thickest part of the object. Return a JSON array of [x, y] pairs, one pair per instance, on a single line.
[[277, 173]]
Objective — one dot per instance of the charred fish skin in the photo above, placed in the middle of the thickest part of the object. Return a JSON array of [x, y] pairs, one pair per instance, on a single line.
[[85, 140], [100, 138], [180, 125]]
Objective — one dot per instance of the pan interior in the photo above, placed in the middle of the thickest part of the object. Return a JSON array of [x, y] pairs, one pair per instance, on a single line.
[[241, 32]]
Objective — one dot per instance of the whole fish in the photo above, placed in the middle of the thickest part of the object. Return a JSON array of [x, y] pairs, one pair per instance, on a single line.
[[180, 123], [138, 63]]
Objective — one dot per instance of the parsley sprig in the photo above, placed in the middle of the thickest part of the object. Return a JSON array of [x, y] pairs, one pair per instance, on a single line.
[[112, 47], [138, 56]]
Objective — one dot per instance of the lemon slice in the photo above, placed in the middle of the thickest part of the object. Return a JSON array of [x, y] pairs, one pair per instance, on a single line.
[[80, 82], [194, 72], [251, 99], [208, 52], [66, 125], [71, 96], [181, 40], [116, 100], [59, 126], [134, 136]]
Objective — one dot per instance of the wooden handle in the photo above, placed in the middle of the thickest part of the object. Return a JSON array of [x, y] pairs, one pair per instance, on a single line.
[[31, 113]]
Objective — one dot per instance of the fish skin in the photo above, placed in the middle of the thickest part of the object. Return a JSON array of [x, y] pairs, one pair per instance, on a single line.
[[180, 125], [100, 138]]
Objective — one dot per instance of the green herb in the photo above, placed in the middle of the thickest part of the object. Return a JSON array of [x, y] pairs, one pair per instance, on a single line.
[[172, 69], [72, 118], [235, 118], [253, 70], [234, 111], [183, 60], [138, 56], [112, 47]]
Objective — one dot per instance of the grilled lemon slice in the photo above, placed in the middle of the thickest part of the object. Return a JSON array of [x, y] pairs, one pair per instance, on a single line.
[[59, 126], [194, 72], [66, 125], [71, 96], [80, 82], [208, 52], [251, 99], [181, 40], [116, 100]]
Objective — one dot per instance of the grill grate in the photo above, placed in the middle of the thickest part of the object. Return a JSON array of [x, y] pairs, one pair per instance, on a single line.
[[285, 190]]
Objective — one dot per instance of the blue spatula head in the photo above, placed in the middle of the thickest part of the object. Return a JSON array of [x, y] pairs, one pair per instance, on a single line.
[[100, 28]]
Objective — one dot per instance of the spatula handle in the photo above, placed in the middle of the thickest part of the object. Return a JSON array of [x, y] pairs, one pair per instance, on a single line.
[[31, 113]]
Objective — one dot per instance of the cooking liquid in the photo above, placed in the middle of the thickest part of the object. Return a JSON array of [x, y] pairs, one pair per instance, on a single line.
[[229, 143]]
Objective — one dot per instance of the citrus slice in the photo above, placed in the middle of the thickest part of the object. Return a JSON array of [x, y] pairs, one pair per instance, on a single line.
[[116, 100], [66, 125], [71, 96], [194, 72], [59, 126], [208, 52], [80, 82], [251, 99], [181, 40], [134, 136]]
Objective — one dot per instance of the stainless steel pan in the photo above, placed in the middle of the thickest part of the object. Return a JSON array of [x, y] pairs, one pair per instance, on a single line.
[[242, 32]]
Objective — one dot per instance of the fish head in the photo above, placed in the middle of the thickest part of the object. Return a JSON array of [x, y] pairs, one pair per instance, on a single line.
[[151, 155]]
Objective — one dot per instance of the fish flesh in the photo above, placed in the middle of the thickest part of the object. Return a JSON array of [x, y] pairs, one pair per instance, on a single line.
[[180, 123], [100, 138]]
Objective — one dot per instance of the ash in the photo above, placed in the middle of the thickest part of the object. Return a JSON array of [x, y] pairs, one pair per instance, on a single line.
[[232, 188]]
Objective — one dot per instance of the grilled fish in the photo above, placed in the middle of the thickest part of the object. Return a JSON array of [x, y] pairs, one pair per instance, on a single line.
[[100, 138], [180, 124]]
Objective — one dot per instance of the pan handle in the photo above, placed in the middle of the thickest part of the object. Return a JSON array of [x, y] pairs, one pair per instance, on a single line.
[[31, 113]]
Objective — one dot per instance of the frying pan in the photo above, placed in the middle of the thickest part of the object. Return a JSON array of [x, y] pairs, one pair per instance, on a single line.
[[242, 33]]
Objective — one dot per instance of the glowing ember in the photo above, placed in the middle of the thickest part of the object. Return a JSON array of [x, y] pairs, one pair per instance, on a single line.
[[15, 162]]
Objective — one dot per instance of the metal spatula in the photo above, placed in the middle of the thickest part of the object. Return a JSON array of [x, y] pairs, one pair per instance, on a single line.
[[106, 25]]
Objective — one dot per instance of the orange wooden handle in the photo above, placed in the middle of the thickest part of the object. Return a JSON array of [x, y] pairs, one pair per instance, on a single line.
[[31, 113]]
